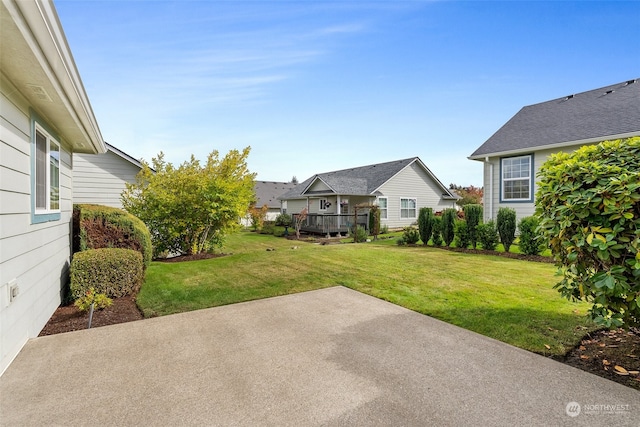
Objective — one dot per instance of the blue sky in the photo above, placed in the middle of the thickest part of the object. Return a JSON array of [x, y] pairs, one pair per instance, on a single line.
[[319, 86]]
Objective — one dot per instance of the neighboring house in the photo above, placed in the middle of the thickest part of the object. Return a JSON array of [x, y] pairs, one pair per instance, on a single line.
[[267, 193], [101, 178], [400, 188], [514, 154], [45, 116]]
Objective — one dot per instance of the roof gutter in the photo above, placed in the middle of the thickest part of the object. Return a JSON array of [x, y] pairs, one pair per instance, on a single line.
[[482, 157]]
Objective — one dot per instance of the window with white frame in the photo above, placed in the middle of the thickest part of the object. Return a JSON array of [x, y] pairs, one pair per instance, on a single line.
[[516, 178], [382, 205], [408, 208], [47, 173], [324, 204]]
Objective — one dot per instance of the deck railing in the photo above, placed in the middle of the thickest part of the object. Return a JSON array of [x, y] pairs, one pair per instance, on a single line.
[[332, 223]]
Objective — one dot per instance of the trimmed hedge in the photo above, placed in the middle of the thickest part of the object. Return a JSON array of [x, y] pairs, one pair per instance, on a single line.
[[531, 242], [114, 272], [96, 226]]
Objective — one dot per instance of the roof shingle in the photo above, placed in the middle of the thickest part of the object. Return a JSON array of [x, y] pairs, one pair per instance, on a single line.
[[599, 113]]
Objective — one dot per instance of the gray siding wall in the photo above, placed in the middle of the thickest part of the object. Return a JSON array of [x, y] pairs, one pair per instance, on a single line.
[[35, 256], [493, 204], [295, 206], [101, 178], [412, 182]]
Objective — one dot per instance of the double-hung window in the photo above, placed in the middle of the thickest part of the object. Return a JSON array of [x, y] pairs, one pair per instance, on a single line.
[[46, 175], [408, 208], [382, 205], [516, 179], [324, 204]]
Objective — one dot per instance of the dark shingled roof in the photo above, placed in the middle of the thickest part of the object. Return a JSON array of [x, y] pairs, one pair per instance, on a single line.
[[581, 118], [267, 192], [359, 181]]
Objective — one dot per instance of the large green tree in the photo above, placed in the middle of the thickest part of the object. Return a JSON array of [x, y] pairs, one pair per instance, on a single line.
[[189, 209], [589, 207]]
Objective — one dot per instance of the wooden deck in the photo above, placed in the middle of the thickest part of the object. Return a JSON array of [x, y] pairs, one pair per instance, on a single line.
[[332, 223]]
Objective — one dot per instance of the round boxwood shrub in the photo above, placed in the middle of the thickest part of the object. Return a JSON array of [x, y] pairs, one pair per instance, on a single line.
[[97, 226], [114, 272]]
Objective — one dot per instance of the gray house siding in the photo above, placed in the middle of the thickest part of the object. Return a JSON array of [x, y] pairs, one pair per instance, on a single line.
[[411, 182], [492, 199], [101, 178], [29, 252]]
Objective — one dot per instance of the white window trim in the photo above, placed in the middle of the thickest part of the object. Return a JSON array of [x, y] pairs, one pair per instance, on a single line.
[[529, 179], [322, 207], [40, 215], [386, 209], [415, 209]]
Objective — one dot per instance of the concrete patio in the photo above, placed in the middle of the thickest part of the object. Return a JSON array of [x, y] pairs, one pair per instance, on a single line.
[[329, 357]]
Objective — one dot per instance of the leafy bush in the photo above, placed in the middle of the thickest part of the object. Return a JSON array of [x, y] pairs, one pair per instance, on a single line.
[[448, 225], [425, 224], [462, 237], [192, 207], [96, 226], [111, 271], [284, 220], [400, 241], [506, 223], [411, 236], [258, 216], [436, 237], [361, 234], [473, 217], [588, 203], [384, 229], [531, 242], [488, 235], [99, 301]]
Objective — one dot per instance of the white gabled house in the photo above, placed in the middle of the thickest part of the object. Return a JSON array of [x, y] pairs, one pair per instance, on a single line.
[[45, 116], [514, 154], [101, 178], [400, 188]]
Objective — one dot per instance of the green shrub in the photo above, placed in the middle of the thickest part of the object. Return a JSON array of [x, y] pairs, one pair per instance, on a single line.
[[506, 223], [531, 242], [384, 229], [96, 226], [284, 220], [267, 228], [400, 241], [436, 237], [374, 221], [425, 224], [410, 235], [488, 235], [99, 301], [462, 237], [114, 272], [473, 217], [361, 234], [448, 225], [588, 203]]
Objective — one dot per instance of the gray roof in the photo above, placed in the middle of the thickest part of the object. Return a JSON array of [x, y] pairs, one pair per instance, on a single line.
[[599, 114], [359, 181], [267, 192]]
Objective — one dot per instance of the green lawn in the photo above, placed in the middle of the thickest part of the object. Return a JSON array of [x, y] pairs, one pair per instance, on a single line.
[[509, 300]]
